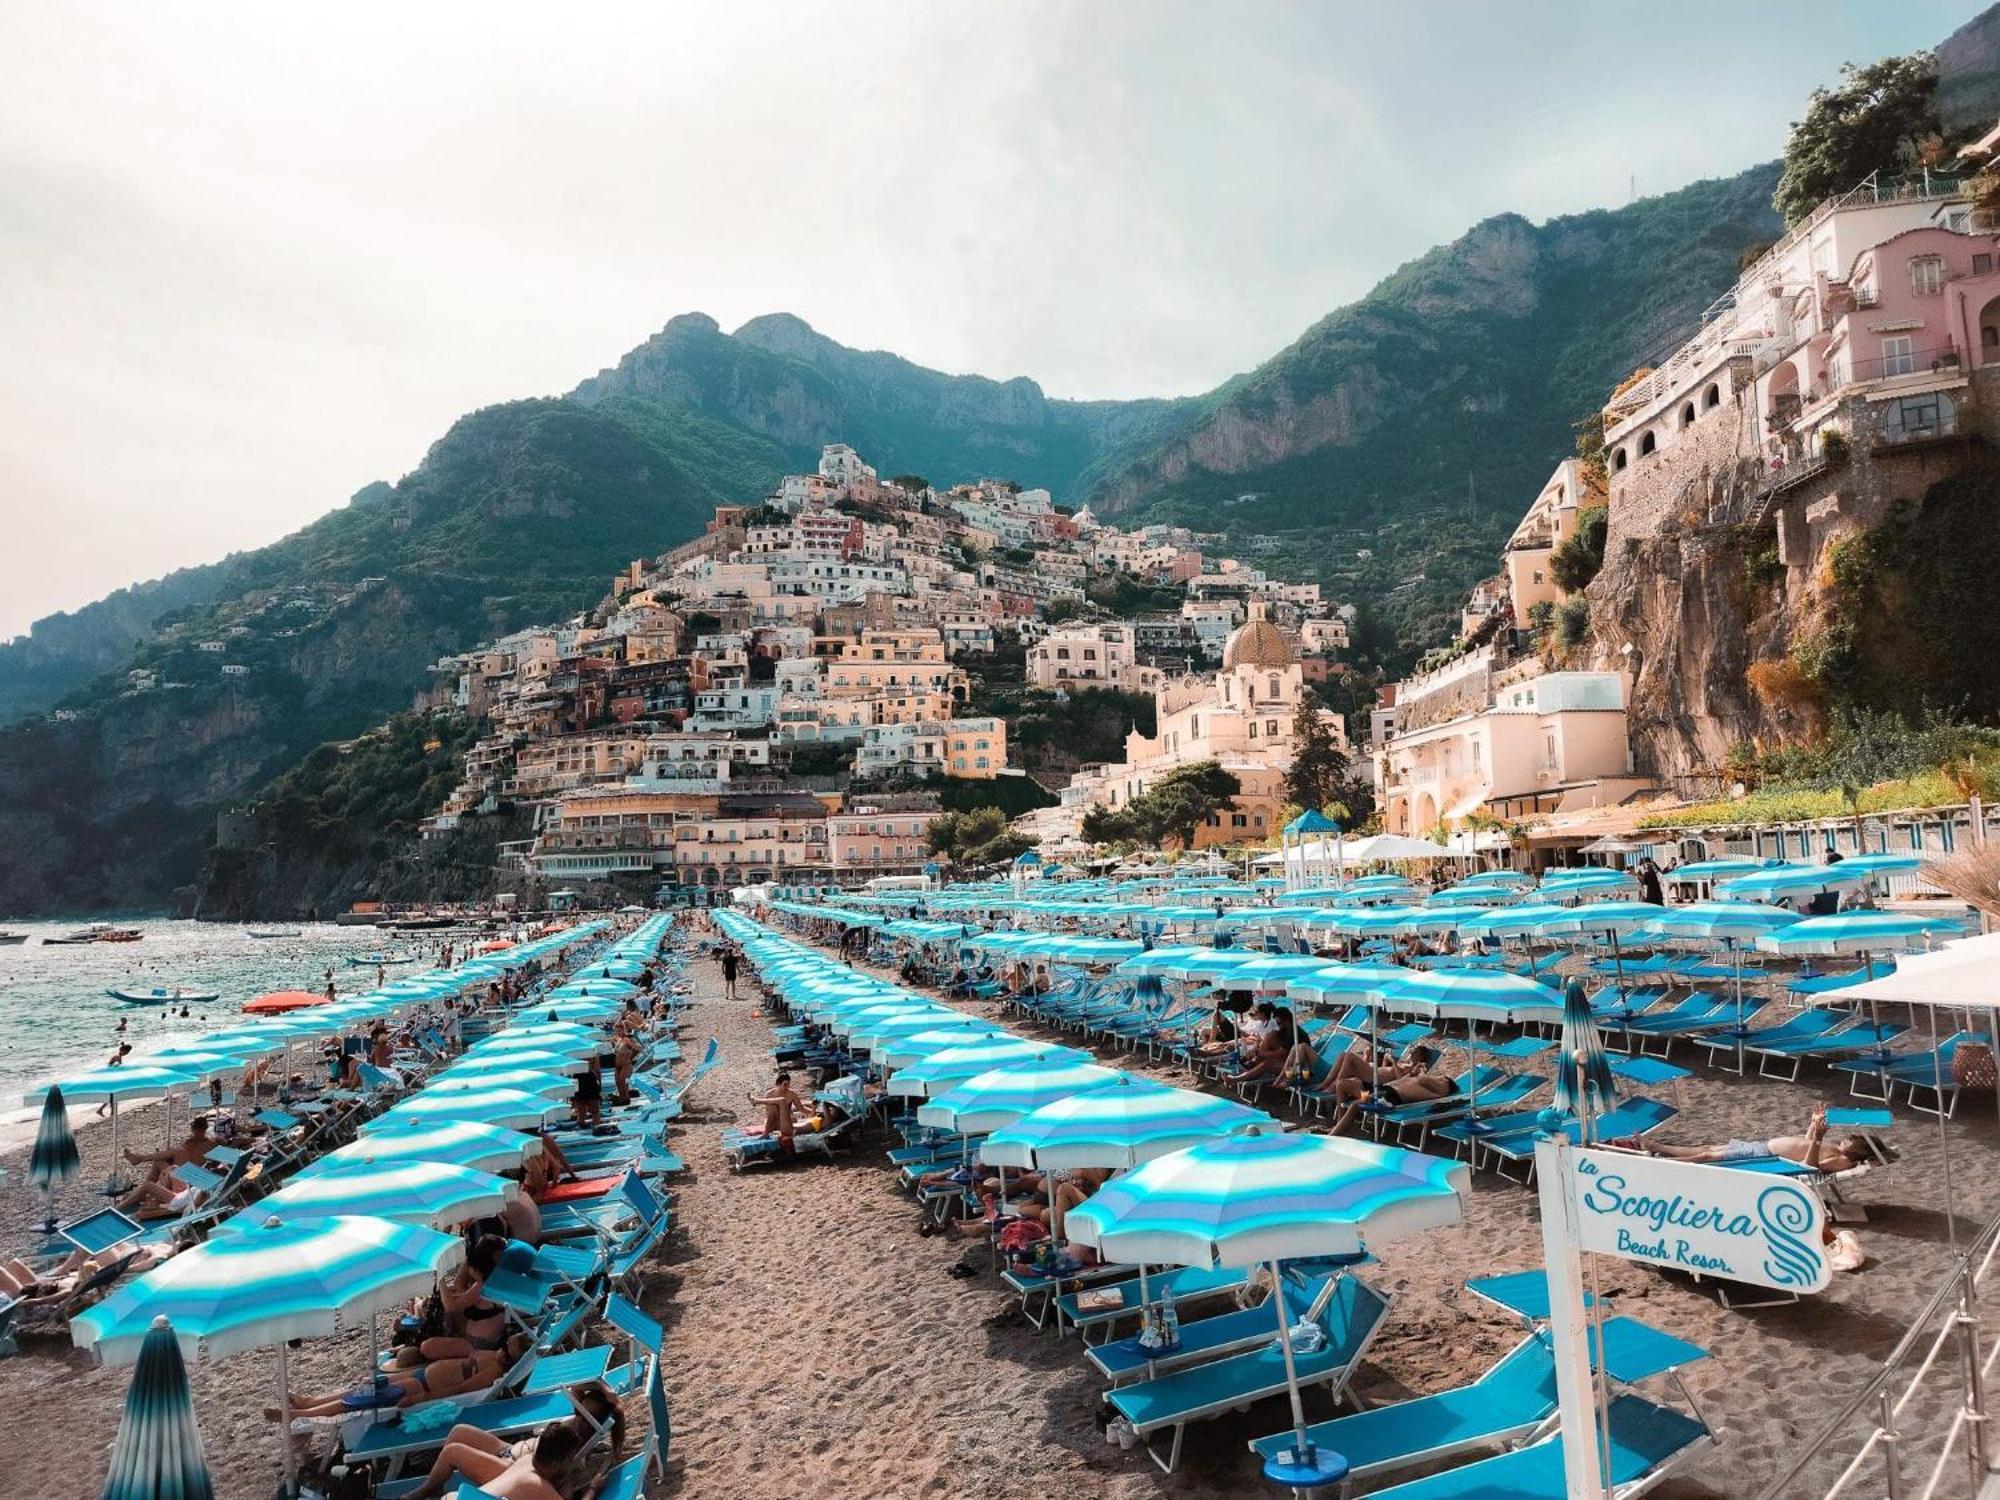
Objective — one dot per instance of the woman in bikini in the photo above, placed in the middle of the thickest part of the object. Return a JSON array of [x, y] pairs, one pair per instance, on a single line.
[[477, 1324], [477, 1455], [415, 1384]]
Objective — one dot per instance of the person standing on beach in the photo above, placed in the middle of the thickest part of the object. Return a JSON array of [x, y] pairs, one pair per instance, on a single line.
[[729, 962]]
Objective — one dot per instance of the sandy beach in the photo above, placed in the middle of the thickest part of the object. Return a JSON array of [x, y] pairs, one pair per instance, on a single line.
[[815, 1340]]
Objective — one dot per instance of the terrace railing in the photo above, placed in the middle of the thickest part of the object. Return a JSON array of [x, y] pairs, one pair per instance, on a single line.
[[1909, 1449]]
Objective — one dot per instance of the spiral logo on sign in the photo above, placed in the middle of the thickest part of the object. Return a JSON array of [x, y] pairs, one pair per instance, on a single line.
[[1787, 1215]]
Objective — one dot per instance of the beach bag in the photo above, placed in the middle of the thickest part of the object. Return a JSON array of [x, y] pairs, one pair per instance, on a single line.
[[1973, 1066]]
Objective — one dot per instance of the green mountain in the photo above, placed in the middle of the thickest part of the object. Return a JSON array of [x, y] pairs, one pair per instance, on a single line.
[[1419, 422], [1415, 424]]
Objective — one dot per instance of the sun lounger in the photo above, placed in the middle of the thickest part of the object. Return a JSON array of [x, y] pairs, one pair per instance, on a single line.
[[1213, 1337], [1647, 1442], [1868, 1039], [1806, 1026], [1511, 1141], [1927, 1071], [1822, 984], [1178, 1287], [1170, 1402]]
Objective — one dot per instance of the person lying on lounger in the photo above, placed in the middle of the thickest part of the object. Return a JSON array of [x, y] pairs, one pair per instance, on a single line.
[[191, 1150], [1812, 1149], [148, 1201], [473, 1454], [413, 1385], [1275, 1047], [20, 1280], [1360, 1076]]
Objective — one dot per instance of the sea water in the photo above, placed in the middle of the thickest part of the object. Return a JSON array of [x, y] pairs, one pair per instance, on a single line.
[[57, 1019]]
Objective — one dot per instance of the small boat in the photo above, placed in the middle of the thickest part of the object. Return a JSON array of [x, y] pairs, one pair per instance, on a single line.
[[95, 933], [13, 937], [120, 935], [271, 932], [380, 960], [165, 994]]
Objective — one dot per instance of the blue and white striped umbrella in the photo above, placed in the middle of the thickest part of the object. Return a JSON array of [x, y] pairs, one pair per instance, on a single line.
[[1855, 932], [457, 1143], [1583, 1086], [482, 1107], [1474, 995], [131, 1081], [1722, 867], [525, 1080], [1243, 1200], [1514, 921], [1608, 919], [1120, 1125], [1717, 922], [1577, 885], [1793, 880], [493, 1066], [1071, 948], [157, 1454], [1272, 972], [1346, 982], [277, 1282], [938, 1072], [1878, 865], [904, 1048], [1001, 1096], [416, 1192], [1186, 963]]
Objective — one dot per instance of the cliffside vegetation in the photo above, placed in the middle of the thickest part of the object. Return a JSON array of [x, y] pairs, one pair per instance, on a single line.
[[1883, 116]]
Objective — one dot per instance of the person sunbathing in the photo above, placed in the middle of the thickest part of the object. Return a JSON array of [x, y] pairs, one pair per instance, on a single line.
[[19, 1280], [475, 1324], [782, 1108], [1812, 1149], [1361, 1076], [413, 1385], [191, 1150], [474, 1454], [148, 1201], [1275, 1047]]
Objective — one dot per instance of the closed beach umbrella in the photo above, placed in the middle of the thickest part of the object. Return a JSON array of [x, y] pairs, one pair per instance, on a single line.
[[457, 1143], [416, 1192], [1245, 1200], [1584, 1085], [157, 1455], [1000, 1096], [1125, 1122], [54, 1159], [277, 1282], [131, 1081]]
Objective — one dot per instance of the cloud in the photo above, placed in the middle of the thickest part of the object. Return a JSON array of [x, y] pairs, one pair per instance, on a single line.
[[258, 255]]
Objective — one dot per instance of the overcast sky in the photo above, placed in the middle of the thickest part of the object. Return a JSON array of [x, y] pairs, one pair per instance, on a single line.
[[253, 256]]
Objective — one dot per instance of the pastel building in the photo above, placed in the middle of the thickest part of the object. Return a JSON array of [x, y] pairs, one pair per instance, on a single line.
[[1090, 656], [1549, 522], [1508, 741]]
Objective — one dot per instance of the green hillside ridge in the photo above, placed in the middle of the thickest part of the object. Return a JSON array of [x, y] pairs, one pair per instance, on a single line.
[[1420, 421]]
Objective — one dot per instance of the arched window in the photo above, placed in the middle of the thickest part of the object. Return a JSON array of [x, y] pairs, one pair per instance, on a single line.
[[1687, 415], [1712, 397], [1647, 444], [1618, 459]]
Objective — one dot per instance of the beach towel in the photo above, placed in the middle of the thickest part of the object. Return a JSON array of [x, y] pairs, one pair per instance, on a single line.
[[571, 1192]]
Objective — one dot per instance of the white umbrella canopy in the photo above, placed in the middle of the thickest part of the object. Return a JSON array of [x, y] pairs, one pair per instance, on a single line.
[[1964, 975]]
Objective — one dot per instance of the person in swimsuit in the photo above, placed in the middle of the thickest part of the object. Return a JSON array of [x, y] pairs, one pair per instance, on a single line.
[[476, 1322], [413, 1385], [1812, 1149], [1275, 1048], [780, 1108], [474, 1454], [1360, 1076]]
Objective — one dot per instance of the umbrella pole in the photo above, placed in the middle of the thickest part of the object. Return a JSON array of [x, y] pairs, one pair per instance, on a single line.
[[1302, 1447], [1968, 1309], [114, 1184], [1736, 964], [285, 1419]]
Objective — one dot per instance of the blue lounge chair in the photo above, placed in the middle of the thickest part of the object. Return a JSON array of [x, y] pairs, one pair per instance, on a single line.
[[1647, 1442], [1854, 1041], [1927, 1071], [1696, 1016], [1178, 1287], [1209, 1338], [1170, 1402]]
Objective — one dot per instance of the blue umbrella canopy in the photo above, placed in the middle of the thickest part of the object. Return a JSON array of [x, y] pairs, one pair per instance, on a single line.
[[458, 1143], [1128, 1121], [279, 1281], [1584, 1085], [1794, 880], [939, 1071], [1476, 995], [157, 1455], [54, 1160], [1242, 1200], [1001, 1096], [1855, 932]]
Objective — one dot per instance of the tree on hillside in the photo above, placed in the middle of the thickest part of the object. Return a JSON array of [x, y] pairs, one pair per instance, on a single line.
[[1881, 117], [1320, 766], [1578, 560], [978, 837], [1177, 806]]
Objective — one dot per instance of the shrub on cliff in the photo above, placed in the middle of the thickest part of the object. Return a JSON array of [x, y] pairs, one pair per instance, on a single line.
[[1878, 118]]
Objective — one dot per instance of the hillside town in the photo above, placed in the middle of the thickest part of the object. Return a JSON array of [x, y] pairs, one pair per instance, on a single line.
[[786, 696]]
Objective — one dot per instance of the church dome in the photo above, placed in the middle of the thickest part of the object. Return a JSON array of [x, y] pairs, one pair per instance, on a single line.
[[1258, 643]]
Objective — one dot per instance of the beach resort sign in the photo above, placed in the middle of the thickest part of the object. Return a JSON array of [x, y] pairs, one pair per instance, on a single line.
[[1707, 1220]]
